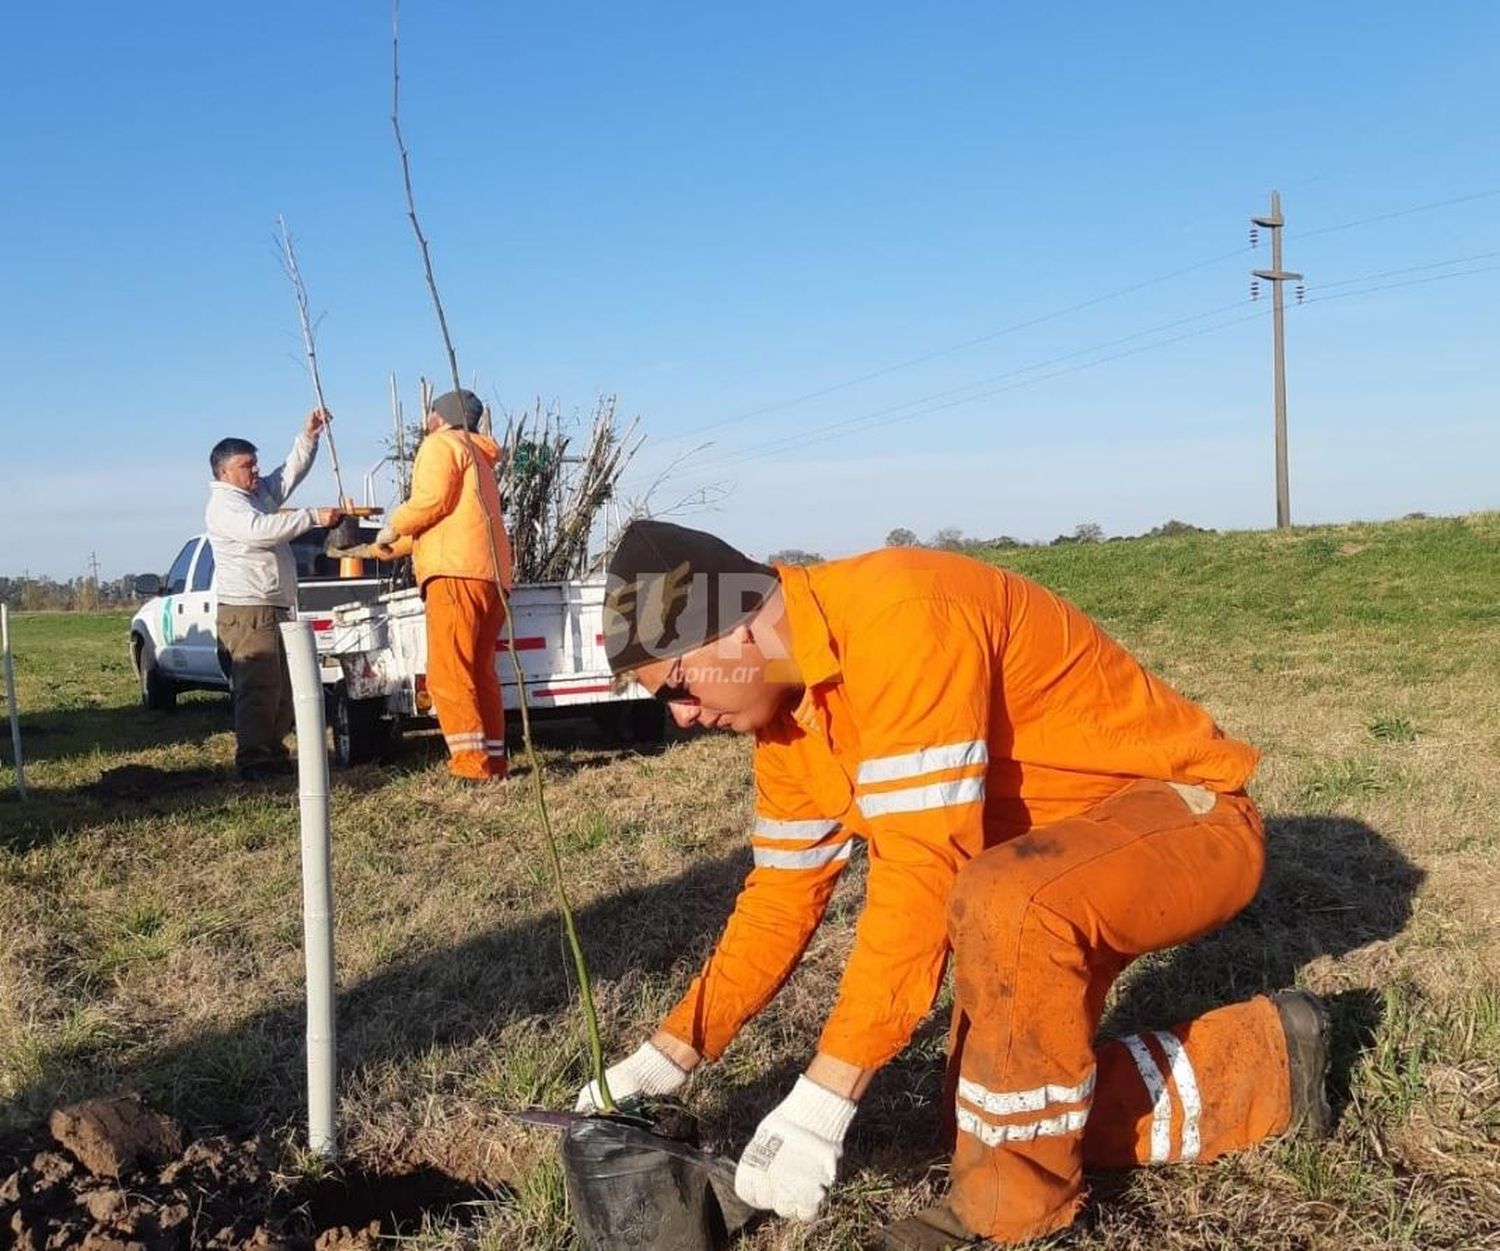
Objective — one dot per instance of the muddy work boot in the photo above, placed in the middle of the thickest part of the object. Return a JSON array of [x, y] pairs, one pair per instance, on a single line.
[[1304, 1018], [932, 1229]]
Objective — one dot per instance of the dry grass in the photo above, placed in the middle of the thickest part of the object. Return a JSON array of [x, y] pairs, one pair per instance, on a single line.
[[153, 932]]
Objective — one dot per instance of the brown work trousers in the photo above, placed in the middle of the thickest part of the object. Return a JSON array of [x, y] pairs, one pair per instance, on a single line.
[[1041, 926], [251, 653]]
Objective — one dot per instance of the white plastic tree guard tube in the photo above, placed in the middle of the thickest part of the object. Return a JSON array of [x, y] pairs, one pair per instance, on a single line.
[[10, 702], [317, 883]]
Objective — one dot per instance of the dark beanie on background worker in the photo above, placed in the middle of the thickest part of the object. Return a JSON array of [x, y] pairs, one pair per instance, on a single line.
[[459, 408], [672, 589]]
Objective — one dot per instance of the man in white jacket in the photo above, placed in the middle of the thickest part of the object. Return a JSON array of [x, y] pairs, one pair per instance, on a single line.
[[256, 576]]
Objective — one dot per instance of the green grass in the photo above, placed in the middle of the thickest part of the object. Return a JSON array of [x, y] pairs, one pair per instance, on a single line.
[[1393, 730], [153, 932]]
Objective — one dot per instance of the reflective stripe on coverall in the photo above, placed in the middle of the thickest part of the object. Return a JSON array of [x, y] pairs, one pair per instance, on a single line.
[[952, 707], [454, 516]]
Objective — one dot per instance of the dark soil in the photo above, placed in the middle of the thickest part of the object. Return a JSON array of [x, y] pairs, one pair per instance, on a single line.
[[116, 1177]]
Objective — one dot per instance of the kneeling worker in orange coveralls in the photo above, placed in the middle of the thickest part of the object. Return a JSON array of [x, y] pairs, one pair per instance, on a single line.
[[1031, 799], [453, 527]]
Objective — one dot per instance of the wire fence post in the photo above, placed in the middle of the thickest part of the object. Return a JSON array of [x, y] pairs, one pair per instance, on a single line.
[[10, 702]]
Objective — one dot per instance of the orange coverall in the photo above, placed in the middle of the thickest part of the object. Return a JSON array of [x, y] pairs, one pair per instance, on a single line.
[[455, 521], [1030, 797]]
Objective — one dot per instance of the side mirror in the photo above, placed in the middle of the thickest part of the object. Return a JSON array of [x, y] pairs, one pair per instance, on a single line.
[[147, 585]]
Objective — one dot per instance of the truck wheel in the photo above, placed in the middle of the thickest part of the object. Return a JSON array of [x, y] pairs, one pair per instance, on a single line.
[[641, 722], [361, 732], [158, 692]]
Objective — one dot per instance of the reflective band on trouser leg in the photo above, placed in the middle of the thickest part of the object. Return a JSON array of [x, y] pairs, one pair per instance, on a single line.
[[997, 1116], [1207, 1086], [1026, 1066], [457, 612], [1155, 1082]]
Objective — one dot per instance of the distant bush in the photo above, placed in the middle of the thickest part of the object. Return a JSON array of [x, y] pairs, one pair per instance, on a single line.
[[901, 537], [795, 556], [1086, 532], [1168, 528], [949, 539]]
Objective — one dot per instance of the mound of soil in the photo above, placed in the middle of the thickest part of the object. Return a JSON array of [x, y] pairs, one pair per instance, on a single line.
[[117, 1177]]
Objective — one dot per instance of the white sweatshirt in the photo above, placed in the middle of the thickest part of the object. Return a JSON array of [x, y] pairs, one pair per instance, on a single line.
[[253, 561]]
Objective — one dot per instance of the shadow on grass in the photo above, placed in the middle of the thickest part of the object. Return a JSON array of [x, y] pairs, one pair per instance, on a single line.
[[1332, 885], [125, 729], [134, 792], [251, 1074]]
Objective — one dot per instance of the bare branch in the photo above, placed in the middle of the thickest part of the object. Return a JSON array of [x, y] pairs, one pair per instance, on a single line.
[[411, 201], [299, 290]]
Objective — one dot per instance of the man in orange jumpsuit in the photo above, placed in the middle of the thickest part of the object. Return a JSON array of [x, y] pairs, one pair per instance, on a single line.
[[1029, 797], [461, 556]]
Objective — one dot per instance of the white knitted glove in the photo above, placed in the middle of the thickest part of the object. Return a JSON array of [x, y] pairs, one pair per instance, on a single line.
[[791, 1161], [648, 1071]]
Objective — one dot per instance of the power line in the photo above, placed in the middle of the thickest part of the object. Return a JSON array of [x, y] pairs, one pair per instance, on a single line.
[[992, 378], [959, 347], [1406, 212], [1411, 282], [910, 362], [824, 434], [1410, 269], [838, 430]]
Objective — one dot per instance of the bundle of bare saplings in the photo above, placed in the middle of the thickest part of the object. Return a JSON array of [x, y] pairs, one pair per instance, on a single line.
[[555, 489]]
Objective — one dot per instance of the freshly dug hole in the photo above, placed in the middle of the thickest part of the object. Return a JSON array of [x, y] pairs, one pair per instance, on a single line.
[[397, 1202]]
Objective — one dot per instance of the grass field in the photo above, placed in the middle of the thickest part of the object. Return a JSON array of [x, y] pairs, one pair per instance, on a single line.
[[152, 931]]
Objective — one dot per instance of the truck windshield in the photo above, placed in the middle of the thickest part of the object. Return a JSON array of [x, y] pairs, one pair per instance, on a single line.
[[312, 564], [307, 549]]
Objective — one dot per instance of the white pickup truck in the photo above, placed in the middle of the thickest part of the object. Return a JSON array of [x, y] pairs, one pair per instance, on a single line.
[[381, 648], [174, 644], [372, 649]]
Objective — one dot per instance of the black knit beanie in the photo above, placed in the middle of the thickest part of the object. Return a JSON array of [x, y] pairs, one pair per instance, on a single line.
[[672, 589]]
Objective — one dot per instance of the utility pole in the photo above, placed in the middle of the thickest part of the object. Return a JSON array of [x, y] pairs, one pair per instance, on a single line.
[[1276, 276]]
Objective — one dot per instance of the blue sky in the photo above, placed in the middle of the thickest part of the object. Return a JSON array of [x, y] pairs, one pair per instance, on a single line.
[[725, 217]]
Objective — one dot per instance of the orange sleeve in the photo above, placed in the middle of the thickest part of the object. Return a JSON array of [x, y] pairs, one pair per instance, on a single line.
[[919, 682], [798, 853], [437, 476]]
